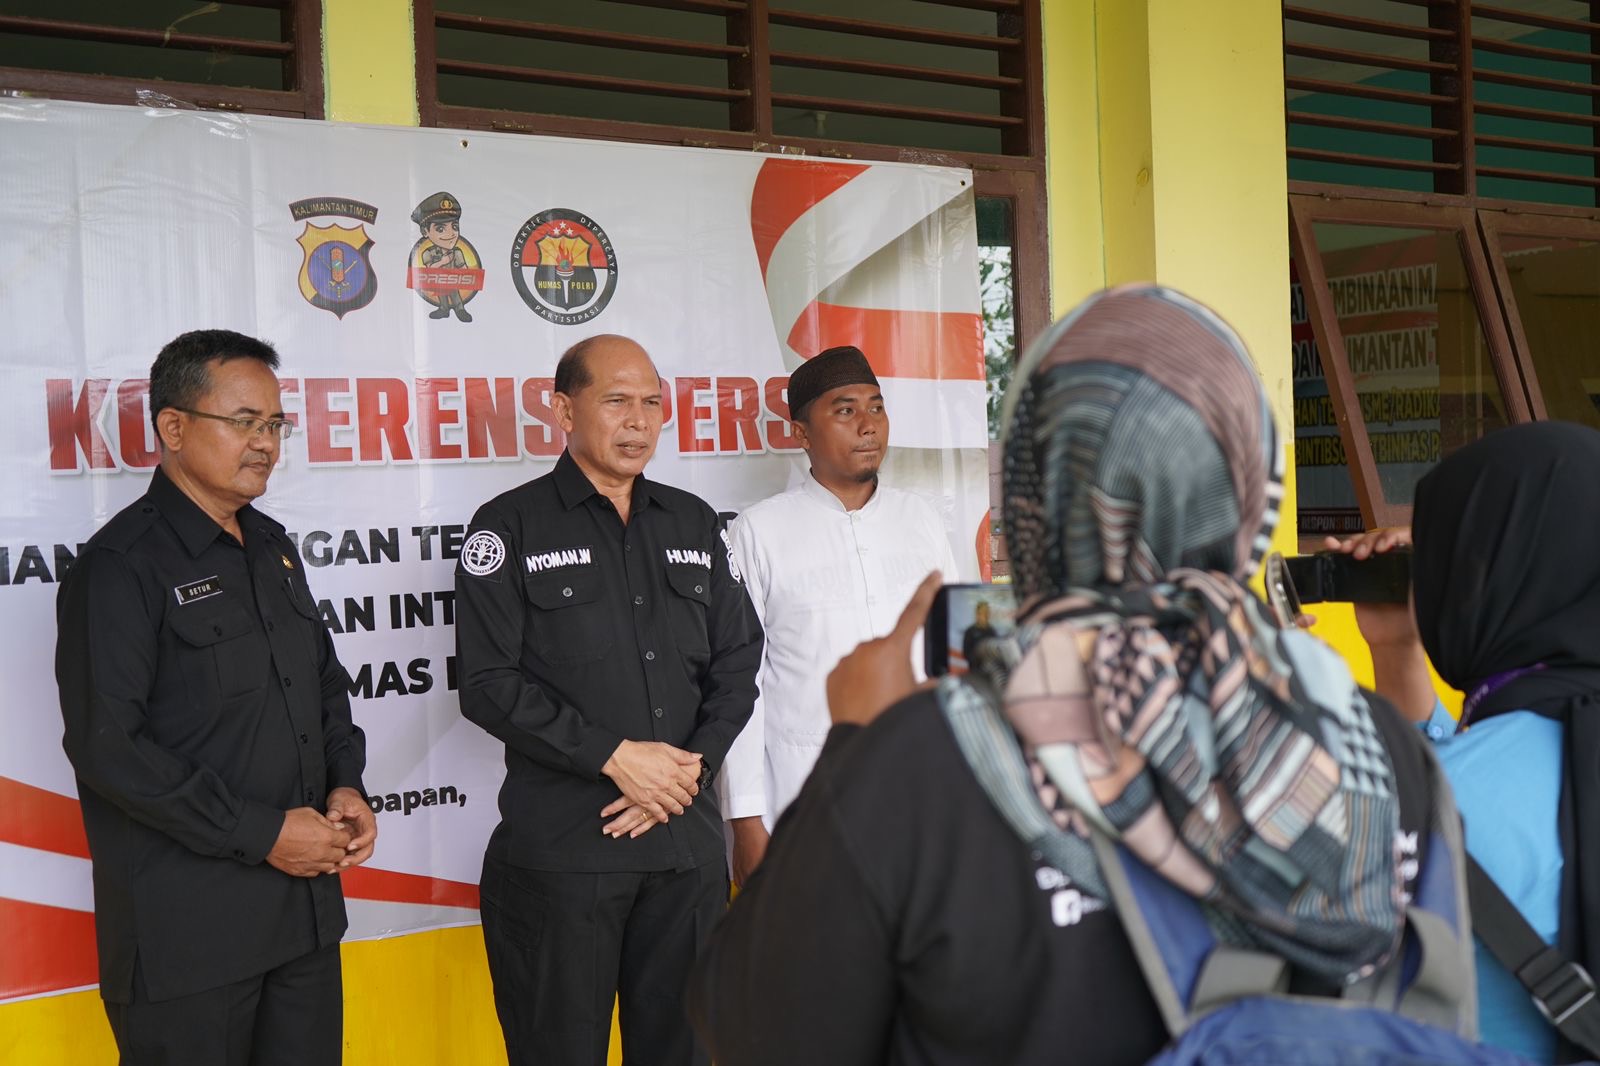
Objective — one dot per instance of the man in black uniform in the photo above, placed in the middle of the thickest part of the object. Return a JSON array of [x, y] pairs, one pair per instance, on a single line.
[[604, 636], [208, 720]]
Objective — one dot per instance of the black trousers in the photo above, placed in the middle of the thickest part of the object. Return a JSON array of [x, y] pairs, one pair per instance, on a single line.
[[563, 946], [290, 1016]]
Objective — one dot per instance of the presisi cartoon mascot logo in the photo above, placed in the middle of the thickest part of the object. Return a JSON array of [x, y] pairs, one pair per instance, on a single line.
[[445, 269], [564, 266], [336, 273]]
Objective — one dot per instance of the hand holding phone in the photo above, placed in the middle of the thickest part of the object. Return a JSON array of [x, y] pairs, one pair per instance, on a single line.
[[878, 673]]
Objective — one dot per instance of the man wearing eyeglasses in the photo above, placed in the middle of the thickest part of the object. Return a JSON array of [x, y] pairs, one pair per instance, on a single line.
[[208, 720]]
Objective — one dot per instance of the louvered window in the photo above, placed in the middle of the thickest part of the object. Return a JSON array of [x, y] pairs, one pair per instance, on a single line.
[[262, 56], [953, 76]]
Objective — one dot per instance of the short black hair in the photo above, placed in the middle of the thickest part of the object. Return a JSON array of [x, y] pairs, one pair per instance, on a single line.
[[572, 369], [181, 373]]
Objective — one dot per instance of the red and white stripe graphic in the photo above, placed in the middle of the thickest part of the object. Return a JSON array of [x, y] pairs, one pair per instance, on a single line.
[[47, 906], [856, 254]]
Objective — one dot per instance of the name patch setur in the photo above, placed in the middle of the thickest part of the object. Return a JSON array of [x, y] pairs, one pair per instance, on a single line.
[[203, 589]]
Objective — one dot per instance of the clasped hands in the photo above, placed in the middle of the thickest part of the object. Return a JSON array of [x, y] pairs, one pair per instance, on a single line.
[[312, 843], [658, 781]]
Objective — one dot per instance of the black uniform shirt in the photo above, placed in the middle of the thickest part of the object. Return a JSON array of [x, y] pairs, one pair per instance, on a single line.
[[202, 699], [574, 633], [898, 920]]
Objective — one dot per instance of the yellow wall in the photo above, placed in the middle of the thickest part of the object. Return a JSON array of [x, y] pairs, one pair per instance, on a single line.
[[1165, 147]]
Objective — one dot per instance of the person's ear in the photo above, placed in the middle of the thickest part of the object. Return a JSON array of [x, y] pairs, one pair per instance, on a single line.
[[801, 437], [169, 428], [561, 406]]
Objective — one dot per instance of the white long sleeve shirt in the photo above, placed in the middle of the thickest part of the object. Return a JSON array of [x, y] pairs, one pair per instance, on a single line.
[[823, 580]]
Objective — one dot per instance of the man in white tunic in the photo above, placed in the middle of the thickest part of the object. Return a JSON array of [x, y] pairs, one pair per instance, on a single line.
[[828, 564]]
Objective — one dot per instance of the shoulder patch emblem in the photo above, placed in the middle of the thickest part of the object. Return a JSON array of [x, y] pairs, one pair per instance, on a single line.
[[733, 567], [483, 553]]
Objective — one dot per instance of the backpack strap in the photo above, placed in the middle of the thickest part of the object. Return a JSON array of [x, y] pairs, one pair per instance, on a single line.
[[1157, 934], [1231, 973], [1561, 989]]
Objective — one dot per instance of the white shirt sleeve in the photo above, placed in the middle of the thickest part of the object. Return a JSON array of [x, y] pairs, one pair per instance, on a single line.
[[742, 783]]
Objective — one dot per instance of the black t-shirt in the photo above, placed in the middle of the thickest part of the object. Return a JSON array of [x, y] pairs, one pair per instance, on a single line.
[[897, 919]]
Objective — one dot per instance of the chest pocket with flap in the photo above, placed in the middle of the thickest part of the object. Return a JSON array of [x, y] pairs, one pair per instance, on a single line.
[[568, 621], [687, 608], [222, 651]]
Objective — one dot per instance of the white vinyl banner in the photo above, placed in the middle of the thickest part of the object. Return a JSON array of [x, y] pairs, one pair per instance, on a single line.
[[417, 367]]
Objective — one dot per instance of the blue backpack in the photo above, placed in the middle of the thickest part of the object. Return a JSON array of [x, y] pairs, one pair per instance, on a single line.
[[1231, 1006]]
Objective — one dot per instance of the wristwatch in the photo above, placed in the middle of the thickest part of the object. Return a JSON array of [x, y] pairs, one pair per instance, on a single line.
[[705, 775]]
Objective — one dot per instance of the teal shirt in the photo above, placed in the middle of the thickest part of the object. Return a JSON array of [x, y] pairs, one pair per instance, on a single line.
[[1506, 773]]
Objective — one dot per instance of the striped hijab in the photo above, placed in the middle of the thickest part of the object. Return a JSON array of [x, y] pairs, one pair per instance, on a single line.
[[1155, 701]]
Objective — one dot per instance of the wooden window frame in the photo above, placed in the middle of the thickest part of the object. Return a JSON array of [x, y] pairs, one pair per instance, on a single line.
[[750, 90], [1305, 211], [306, 100], [1495, 224]]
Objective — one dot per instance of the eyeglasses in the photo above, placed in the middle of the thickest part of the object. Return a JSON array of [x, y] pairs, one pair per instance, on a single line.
[[250, 427]]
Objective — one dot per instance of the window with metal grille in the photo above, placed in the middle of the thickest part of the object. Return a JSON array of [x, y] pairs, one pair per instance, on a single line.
[[956, 76], [262, 56], [1444, 232], [1445, 96]]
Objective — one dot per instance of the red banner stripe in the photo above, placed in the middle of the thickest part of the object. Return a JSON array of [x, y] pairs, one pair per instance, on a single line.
[[785, 189], [391, 886], [47, 949], [941, 345], [37, 818]]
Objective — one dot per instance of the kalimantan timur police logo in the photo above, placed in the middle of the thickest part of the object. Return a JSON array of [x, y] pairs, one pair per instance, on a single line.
[[336, 273], [564, 266], [445, 269]]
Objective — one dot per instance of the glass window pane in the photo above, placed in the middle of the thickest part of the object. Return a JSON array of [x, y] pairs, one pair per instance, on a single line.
[[1414, 343], [1325, 496], [1556, 284]]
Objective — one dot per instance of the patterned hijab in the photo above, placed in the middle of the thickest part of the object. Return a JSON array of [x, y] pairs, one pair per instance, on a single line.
[[1155, 702]]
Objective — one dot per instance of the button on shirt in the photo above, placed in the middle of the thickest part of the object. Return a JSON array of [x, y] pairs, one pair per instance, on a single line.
[[202, 699], [574, 633], [822, 579]]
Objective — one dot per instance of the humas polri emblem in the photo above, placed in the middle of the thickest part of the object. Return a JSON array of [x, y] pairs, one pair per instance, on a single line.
[[564, 266], [336, 272]]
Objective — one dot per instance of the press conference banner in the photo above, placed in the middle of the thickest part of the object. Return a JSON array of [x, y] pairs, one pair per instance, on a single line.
[[417, 368]]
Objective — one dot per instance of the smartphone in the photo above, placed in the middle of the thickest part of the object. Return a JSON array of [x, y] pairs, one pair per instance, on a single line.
[[1334, 577], [1281, 595], [966, 624]]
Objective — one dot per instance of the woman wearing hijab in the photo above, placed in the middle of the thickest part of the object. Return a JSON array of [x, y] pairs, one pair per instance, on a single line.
[[1506, 584], [900, 917]]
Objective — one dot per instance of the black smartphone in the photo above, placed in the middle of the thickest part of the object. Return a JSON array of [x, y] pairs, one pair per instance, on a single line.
[[967, 623], [1334, 577], [1280, 591]]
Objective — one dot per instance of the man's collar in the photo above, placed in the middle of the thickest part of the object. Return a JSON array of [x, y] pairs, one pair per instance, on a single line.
[[574, 486], [194, 527], [824, 495]]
